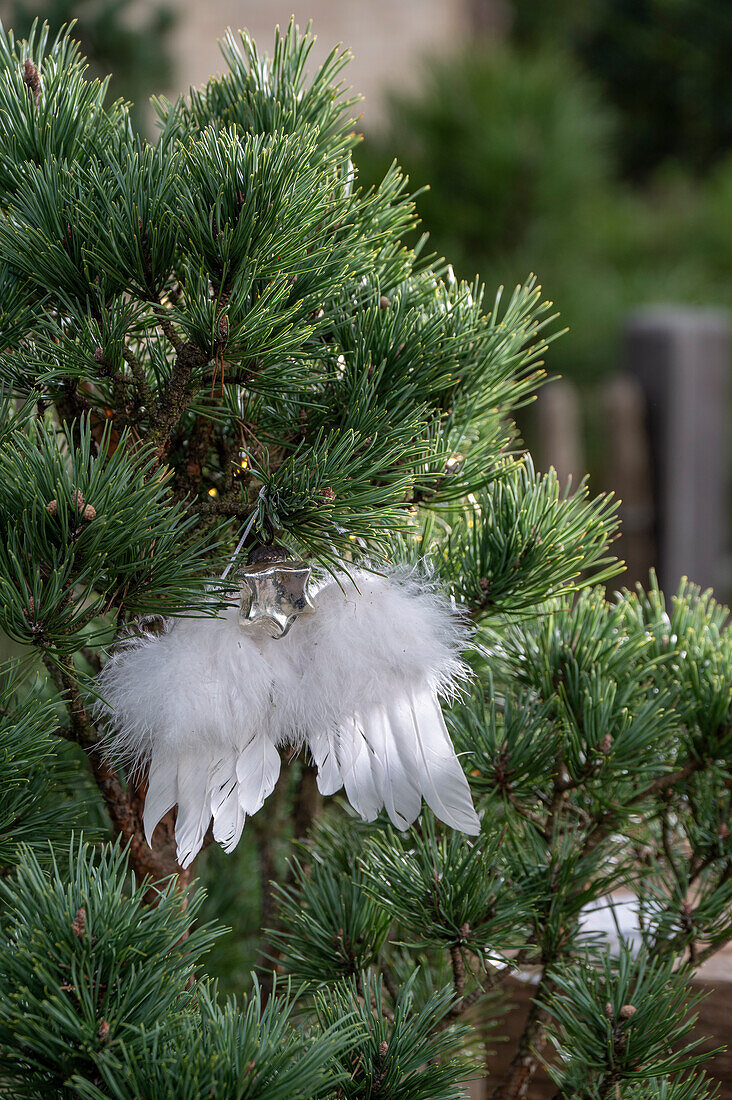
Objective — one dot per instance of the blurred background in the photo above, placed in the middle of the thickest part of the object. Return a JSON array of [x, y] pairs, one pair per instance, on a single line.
[[588, 141]]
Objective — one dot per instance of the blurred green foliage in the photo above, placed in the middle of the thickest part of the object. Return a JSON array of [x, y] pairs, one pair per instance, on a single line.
[[518, 146], [662, 64]]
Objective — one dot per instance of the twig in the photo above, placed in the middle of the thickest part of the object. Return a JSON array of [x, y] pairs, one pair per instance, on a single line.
[[223, 507], [606, 823], [458, 970], [390, 981], [139, 376], [168, 328], [267, 830], [177, 395]]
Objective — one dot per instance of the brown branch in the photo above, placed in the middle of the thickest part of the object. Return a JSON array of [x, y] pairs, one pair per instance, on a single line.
[[124, 807], [606, 823], [525, 1062], [267, 829], [308, 801], [390, 982], [458, 970], [669, 780], [223, 507], [176, 395], [168, 328], [139, 377]]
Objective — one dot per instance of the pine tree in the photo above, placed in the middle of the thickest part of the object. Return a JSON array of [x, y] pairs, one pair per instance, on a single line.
[[223, 329]]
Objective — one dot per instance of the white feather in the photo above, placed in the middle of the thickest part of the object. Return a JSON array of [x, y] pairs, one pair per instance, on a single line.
[[194, 812], [162, 792], [362, 772], [323, 747], [257, 771], [442, 779], [228, 816], [399, 794]]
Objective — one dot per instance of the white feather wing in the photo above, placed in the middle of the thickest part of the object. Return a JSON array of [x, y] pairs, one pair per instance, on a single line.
[[371, 664], [162, 791], [228, 816], [398, 789], [257, 771], [323, 745], [441, 777], [362, 772], [194, 809]]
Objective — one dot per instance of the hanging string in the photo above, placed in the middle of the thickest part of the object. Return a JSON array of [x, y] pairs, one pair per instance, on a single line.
[[243, 539]]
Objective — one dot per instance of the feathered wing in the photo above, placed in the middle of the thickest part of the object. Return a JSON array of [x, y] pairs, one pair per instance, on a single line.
[[442, 780], [206, 705], [162, 792], [372, 664], [257, 771], [226, 812], [362, 770], [196, 704], [323, 746], [398, 790], [194, 805]]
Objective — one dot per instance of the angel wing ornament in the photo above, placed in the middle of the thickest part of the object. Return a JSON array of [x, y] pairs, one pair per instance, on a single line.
[[207, 703], [373, 664], [198, 705]]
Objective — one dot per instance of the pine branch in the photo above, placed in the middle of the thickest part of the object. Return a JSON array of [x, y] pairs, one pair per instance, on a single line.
[[168, 328], [610, 818], [146, 396], [458, 971], [176, 395], [268, 834]]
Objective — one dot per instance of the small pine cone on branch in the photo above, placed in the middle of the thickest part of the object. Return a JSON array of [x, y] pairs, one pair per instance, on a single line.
[[78, 925], [32, 80]]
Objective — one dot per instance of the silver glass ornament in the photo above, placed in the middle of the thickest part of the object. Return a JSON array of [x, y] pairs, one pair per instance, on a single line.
[[274, 591]]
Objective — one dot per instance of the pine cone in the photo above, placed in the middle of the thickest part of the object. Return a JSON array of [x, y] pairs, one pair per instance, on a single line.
[[78, 925], [32, 79]]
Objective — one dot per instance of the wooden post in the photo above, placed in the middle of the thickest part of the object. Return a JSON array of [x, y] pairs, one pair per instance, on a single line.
[[681, 356], [627, 472], [559, 431]]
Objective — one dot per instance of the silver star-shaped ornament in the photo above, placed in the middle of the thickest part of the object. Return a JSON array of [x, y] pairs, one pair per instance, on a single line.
[[274, 594]]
